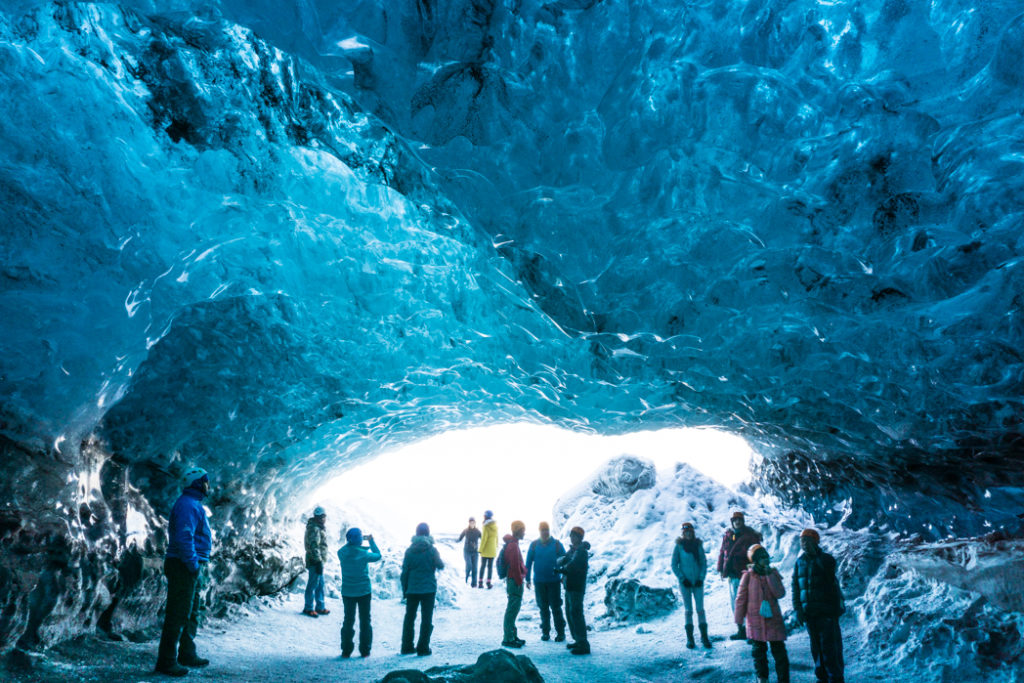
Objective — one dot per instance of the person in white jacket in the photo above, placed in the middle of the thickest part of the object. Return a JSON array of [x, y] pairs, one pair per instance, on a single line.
[[690, 565]]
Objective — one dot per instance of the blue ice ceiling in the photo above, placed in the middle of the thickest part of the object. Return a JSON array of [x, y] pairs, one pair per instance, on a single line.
[[259, 234]]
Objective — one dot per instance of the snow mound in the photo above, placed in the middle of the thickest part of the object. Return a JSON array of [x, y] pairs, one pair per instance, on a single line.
[[631, 601]]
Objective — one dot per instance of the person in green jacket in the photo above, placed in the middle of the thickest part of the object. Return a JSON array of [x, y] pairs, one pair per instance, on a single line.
[[355, 590], [488, 547], [316, 556]]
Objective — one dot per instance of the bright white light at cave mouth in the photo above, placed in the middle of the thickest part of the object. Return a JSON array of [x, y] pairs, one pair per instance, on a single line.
[[517, 470]]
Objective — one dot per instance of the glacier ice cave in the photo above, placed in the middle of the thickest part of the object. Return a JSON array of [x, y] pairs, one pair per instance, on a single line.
[[280, 237]]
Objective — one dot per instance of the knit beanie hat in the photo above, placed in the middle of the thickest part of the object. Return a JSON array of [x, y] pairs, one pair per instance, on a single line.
[[422, 529], [488, 514], [738, 515], [576, 531], [319, 511], [688, 525], [811, 533], [354, 535], [754, 550]]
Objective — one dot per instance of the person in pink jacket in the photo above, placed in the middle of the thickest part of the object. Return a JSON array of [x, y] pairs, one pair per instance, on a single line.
[[757, 602]]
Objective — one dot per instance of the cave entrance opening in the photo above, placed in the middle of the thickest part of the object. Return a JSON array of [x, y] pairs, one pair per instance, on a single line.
[[517, 470]]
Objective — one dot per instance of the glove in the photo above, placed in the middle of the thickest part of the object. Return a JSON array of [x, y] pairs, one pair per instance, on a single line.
[[698, 584], [687, 584]]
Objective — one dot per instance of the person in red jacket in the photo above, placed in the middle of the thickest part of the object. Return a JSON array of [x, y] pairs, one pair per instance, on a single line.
[[513, 559], [732, 560]]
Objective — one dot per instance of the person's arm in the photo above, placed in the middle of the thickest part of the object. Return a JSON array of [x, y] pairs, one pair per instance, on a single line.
[[702, 564], [740, 613], [374, 553], [461, 536], [721, 555], [775, 585], [438, 564], [677, 563], [404, 578], [529, 562], [797, 607]]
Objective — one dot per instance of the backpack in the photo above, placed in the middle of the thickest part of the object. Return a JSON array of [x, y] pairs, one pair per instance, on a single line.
[[502, 563]]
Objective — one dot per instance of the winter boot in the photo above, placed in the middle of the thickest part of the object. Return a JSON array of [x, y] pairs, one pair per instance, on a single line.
[[689, 637], [741, 633], [489, 585], [172, 669], [704, 640]]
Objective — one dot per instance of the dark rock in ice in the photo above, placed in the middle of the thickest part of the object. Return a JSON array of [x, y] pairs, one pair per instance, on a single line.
[[496, 666], [631, 601]]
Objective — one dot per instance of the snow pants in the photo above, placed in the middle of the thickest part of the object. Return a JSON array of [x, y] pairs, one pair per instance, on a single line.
[[470, 557], [693, 596], [488, 564], [549, 600], [779, 654], [425, 603], [826, 648], [515, 602], [314, 591], [574, 616], [181, 613], [348, 626]]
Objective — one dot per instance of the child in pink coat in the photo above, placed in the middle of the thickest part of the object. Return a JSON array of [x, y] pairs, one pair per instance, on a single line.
[[757, 601]]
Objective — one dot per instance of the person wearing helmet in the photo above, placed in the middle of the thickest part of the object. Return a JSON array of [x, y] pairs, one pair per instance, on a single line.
[[488, 548], [188, 552], [355, 590], [757, 603], [316, 555]]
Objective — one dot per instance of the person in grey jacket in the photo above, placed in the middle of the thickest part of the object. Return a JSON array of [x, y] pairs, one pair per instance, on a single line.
[[419, 585], [355, 590], [690, 565]]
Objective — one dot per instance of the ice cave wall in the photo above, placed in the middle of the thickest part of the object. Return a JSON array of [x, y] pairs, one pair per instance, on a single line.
[[275, 237]]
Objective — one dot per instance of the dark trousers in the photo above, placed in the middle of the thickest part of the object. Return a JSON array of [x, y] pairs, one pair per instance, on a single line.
[[826, 648], [470, 557], [181, 614], [488, 564], [348, 625], [549, 600], [574, 616], [425, 603], [779, 654]]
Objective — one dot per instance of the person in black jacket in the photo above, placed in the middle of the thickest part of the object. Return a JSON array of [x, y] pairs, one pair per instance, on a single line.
[[470, 549], [573, 567], [818, 602], [419, 586]]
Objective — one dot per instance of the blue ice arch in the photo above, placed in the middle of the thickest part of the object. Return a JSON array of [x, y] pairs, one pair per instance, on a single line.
[[275, 236]]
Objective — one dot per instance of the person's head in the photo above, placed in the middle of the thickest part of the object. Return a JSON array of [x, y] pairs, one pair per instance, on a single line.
[[196, 478], [518, 529], [472, 522], [738, 520], [689, 533], [319, 514], [809, 540], [545, 531], [758, 555], [487, 515], [354, 535], [576, 535], [422, 529]]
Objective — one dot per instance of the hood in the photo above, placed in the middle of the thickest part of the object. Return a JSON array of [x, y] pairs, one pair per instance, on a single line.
[[422, 542], [490, 522], [508, 538]]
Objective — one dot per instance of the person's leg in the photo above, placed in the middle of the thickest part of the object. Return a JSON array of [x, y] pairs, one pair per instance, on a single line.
[[187, 644], [781, 658], [759, 651], [702, 620], [365, 627], [307, 606], [570, 614], [814, 635], [412, 602], [472, 565], [426, 623], [515, 601], [348, 625], [180, 589], [734, 587], [687, 594], [542, 591], [318, 594], [581, 621], [831, 644], [555, 599], [469, 560]]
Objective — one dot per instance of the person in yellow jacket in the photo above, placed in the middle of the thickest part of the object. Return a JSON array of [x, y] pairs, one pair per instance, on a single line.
[[488, 547]]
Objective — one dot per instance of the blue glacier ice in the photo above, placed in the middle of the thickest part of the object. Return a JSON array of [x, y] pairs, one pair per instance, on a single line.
[[278, 237]]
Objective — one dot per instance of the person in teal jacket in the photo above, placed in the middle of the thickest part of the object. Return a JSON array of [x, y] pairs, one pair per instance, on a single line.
[[355, 590]]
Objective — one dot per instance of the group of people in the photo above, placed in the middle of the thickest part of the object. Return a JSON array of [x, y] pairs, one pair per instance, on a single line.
[[755, 587]]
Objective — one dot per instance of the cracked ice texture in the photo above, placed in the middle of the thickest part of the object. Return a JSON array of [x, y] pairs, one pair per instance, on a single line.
[[797, 220]]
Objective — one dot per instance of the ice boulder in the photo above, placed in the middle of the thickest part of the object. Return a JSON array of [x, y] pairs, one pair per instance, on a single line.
[[624, 476], [630, 600]]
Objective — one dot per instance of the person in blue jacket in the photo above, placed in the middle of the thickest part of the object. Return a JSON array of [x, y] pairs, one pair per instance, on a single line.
[[355, 590], [690, 565], [419, 586], [188, 552], [540, 567]]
